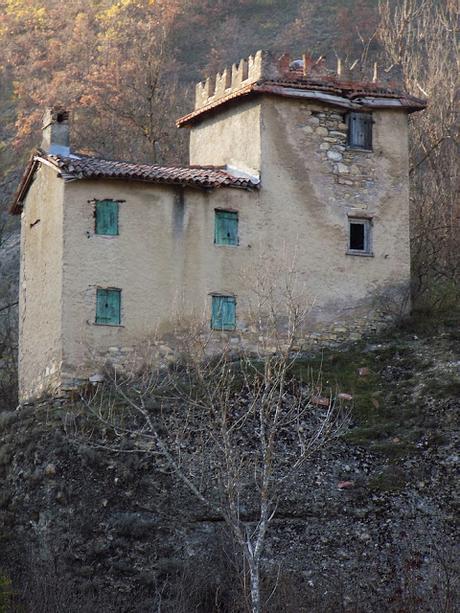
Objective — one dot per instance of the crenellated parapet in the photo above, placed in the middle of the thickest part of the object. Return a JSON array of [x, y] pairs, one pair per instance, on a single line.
[[259, 66], [264, 66]]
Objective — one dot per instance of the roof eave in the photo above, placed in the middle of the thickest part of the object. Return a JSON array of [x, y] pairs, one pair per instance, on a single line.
[[38, 157], [23, 187], [291, 92], [27, 177], [178, 183], [407, 103]]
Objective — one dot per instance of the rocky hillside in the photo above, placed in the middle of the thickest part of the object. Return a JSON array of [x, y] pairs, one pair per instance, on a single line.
[[369, 526]]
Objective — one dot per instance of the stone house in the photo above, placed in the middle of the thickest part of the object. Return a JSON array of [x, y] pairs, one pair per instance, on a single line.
[[287, 160]]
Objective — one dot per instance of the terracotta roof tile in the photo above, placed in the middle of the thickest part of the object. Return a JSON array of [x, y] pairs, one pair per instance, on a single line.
[[79, 167], [82, 167]]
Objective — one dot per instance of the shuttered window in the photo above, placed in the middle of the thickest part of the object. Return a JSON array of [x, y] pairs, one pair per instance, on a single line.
[[223, 313], [107, 217], [360, 130], [108, 302], [226, 228]]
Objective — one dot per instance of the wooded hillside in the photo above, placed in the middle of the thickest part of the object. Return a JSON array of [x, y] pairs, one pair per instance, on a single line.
[[126, 70]]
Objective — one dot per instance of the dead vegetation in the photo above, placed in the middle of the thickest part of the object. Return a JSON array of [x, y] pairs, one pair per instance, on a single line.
[[147, 544], [234, 427], [420, 38]]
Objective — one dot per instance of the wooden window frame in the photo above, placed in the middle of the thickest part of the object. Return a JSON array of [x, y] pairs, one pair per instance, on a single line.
[[367, 224]]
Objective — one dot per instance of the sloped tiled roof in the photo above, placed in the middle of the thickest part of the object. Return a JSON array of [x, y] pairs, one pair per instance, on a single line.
[[82, 167], [199, 176]]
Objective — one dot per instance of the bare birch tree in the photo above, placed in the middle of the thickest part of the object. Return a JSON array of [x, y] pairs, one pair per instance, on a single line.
[[234, 427]]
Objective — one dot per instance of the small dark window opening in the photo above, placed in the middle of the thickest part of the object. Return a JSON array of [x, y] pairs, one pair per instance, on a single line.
[[360, 130], [359, 236]]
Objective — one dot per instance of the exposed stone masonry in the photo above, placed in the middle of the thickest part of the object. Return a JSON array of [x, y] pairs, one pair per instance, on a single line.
[[352, 169]]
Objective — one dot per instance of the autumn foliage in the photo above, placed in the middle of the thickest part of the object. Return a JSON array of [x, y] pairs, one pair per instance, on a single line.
[[126, 70], [111, 63], [126, 67]]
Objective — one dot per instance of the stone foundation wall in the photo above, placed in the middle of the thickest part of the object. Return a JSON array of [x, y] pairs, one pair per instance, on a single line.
[[164, 350]]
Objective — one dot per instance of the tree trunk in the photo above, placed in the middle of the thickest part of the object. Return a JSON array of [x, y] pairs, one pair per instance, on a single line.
[[255, 586]]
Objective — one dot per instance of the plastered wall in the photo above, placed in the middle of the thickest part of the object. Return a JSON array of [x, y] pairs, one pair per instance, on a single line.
[[165, 261], [231, 137], [312, 183], [40, 288]]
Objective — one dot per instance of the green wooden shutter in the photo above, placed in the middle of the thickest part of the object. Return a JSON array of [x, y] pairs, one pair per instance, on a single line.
[[226, 228], [367, 129], [229, 313], [216, 317], [107, 217], [108, 306], [223, 313]]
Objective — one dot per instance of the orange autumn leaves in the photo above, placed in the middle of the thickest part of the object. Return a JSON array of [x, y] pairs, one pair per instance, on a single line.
[[109, 62]]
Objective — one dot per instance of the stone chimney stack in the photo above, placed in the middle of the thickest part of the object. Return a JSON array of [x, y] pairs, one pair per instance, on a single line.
[[55, 131]]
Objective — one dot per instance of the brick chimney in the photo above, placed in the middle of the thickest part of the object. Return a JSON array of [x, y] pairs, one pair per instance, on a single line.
[[55, 131]]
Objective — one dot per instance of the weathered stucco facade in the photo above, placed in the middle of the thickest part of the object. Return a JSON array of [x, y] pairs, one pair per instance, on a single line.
[[40, 286], [305, 185]]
